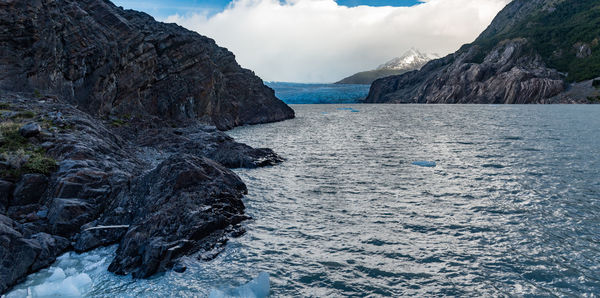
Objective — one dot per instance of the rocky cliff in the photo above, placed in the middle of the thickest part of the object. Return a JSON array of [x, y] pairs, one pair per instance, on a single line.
[[104, 138], [110, 61], [512, 62]]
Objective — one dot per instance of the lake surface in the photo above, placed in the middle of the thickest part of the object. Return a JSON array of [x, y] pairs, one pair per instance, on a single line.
[[296, 93], [511, 207]]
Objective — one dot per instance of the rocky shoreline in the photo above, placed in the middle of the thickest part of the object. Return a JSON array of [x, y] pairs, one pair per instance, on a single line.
[[160, 192], [110, 133]]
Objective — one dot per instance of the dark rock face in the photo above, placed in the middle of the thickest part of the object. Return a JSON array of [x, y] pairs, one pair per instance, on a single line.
[[110, 61], [29, 189], [197, 191], [154, 186], [506, 76]]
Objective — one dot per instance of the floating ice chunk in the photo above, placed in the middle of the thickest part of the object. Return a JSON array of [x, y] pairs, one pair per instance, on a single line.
[[57, 275], [424, 163], [72, 286], [70, 276], [257, 288], [17, 294]]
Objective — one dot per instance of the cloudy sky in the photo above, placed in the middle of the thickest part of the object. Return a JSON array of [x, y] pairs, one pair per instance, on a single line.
[[325, 40]]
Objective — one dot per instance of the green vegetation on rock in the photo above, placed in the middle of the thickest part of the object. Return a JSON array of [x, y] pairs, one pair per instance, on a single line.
[[21, 157], [567, 37]]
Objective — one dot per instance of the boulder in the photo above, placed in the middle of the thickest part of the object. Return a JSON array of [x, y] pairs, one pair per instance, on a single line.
[[30, 130]]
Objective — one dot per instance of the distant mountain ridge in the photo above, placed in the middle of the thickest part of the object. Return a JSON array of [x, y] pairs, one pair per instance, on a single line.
[[534, 51], [413, 59]]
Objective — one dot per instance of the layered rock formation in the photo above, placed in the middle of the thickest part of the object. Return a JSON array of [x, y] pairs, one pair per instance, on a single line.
[[158, 202], [501, 66], [506, 76], [106, 137], [110, 61]]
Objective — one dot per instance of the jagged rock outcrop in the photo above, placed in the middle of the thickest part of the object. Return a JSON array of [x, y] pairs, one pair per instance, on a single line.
[[110, 61], [153, 181], [197, 191], [505, 76], [507, 64]]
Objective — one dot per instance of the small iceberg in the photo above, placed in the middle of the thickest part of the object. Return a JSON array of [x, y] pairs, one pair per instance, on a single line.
[[257, 288], [424, 163], [70, 276]]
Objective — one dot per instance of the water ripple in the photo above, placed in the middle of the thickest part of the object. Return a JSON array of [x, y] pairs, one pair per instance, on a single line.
[[511, 209]]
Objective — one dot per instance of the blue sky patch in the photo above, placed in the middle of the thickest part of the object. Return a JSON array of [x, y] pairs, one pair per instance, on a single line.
[[162, 8]]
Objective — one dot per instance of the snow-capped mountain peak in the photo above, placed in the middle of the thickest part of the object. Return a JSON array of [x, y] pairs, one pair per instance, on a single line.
[[412, 59]]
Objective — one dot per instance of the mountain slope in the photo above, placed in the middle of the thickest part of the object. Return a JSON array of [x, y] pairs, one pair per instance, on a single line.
[[110, 61], [411, 60], [529, 54]]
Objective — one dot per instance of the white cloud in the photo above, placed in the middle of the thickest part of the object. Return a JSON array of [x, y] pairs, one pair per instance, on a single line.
[[320, 41]]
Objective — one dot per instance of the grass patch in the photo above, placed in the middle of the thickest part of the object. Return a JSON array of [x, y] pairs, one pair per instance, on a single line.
[[22, 156], [118, 122], [11, 138], [40, 164], [24, 114]]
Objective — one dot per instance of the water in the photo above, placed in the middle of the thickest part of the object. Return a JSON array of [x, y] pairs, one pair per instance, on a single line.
[[512, 206], [296, 93]]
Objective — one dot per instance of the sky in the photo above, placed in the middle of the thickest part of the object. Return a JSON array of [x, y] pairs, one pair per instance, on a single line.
[[161, 9], [325, 40]]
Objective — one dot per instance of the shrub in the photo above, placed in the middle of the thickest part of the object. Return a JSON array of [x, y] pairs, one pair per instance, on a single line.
[[21, 156], [24, 114]]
